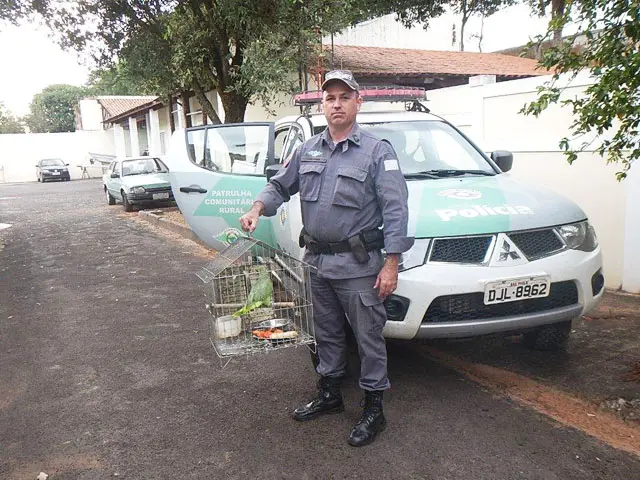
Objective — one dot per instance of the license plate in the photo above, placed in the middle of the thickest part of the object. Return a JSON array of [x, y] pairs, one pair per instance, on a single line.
[[515, 289], [55, 173], [160, 196]]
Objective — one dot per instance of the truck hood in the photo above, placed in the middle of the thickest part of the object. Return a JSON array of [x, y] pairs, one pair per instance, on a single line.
[[476, 205]]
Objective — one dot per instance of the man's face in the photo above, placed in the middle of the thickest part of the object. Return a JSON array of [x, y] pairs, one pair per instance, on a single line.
[[340, 104]]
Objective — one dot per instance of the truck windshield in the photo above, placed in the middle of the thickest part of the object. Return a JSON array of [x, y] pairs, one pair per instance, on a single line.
[[430, 149]]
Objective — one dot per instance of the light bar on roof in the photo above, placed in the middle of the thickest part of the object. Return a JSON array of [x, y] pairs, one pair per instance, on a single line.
[[368, 94]]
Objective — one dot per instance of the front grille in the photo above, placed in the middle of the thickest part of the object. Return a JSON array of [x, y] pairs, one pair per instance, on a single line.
[[537, 243], [460, 250], [157, 189], [470, 306]]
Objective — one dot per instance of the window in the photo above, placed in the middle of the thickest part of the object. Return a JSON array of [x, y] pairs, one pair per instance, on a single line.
[[241, 149], [295, 138], [278, 147], [195, 147], [429, 145], [140, 166], [52, 162]]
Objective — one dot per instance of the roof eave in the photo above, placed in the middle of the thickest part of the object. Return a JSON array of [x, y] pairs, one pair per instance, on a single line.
[[152, 105]]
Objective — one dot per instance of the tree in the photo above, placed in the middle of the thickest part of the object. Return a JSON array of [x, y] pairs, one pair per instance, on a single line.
[[52, 110], [13, 11], [557, 12], [609, 110], [9, 123], [203, 45], [483, 8]]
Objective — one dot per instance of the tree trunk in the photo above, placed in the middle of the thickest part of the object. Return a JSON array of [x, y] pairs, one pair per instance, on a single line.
[[462, 25], [172, 122], [481, 36], [206, 105], [557, 11], [235, 106], [186, 109]]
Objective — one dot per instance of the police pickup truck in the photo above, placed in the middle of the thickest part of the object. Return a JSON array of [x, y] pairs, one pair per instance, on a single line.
[[492, 254]]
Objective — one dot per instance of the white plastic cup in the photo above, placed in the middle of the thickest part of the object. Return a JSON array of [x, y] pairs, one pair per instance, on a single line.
[[228, 326]]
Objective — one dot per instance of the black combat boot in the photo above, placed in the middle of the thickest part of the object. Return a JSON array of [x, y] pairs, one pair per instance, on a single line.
[[329, 400], [372, 421]]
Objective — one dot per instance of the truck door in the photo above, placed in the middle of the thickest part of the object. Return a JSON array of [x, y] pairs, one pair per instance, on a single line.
[[216, 172]]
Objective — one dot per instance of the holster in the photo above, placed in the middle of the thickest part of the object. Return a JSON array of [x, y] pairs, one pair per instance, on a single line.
[[358, 249]]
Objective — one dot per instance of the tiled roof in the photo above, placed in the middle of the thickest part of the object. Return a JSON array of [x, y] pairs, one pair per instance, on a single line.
[[397, 61], [117, 105]]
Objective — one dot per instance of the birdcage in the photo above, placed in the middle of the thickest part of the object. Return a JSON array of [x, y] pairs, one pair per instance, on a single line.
[[258, 298]]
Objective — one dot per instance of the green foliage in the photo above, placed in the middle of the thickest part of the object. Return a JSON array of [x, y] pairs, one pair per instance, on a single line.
[[609, 110], [52, 110], [12, 11], [9, 123], [244, 49]]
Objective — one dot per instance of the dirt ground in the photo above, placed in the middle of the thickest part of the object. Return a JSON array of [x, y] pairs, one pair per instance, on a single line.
[[107, 372]]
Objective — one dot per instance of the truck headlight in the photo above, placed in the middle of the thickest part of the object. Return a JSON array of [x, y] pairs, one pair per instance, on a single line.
[[137, 190], [416, 255], [579, 236]]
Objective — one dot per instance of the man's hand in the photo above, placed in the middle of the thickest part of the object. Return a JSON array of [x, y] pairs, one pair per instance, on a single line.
[[249, 221], [387, 280]]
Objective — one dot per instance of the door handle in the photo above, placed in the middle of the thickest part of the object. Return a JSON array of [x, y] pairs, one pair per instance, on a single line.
[[195, 189]]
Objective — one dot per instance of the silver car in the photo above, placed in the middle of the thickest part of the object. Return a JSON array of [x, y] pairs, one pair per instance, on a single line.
[[137, 181]]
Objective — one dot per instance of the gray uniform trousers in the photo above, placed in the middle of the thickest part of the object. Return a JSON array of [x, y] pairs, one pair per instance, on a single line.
[[365, 312]]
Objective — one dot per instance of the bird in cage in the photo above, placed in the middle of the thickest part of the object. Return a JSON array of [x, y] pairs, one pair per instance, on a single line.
[[260, 293]]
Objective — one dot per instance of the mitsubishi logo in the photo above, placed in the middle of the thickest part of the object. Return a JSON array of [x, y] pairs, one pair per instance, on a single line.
[[506, 253]]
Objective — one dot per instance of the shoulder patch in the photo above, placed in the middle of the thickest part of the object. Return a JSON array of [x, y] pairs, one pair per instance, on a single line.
[[390, 165]]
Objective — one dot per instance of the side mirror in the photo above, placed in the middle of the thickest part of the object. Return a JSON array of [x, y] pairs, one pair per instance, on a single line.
[[67, 164], [503, 159], [272, 170], [114, 175]]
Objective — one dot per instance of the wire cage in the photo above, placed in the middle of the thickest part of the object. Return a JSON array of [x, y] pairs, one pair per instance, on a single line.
[[258, 298]]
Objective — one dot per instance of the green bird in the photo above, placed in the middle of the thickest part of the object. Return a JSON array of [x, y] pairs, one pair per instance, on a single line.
[[260, 294]]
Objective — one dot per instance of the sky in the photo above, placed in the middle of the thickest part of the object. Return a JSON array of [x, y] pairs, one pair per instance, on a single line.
[[31, 61]]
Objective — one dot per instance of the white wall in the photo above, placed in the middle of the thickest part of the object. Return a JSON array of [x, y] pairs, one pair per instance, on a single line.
[[281, 108], [19, 153], [90, 114], [489, 115], [511, 27]]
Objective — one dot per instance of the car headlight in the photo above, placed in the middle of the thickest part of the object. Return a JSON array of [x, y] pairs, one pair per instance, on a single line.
[[137, 190], [579, 236], [415, 256]]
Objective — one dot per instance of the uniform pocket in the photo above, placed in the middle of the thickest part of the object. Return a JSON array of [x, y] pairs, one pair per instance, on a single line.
[[377, 316], [310, 181], [350, 187]]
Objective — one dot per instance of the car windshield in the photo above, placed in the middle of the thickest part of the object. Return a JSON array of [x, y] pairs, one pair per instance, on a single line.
[[52, 162], [430, 149], [141, 166]]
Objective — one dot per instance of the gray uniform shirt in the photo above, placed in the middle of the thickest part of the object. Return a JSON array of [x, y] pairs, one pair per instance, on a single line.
[[345, 188]]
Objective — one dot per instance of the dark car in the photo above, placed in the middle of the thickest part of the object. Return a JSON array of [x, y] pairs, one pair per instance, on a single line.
[[52, 169]]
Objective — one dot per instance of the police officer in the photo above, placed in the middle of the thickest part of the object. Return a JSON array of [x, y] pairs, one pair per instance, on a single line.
[[350, 184]]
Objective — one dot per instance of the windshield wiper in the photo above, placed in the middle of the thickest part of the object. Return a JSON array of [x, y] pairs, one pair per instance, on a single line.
[[451, 173], [425, 174]]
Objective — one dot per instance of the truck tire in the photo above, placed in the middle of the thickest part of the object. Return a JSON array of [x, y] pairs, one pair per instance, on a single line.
[[548, 337]]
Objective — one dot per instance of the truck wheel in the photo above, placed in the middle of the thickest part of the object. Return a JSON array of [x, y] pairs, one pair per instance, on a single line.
[[548, 337]]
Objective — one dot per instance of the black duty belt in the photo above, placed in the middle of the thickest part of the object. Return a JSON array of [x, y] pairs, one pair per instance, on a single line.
[[358, 244]]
